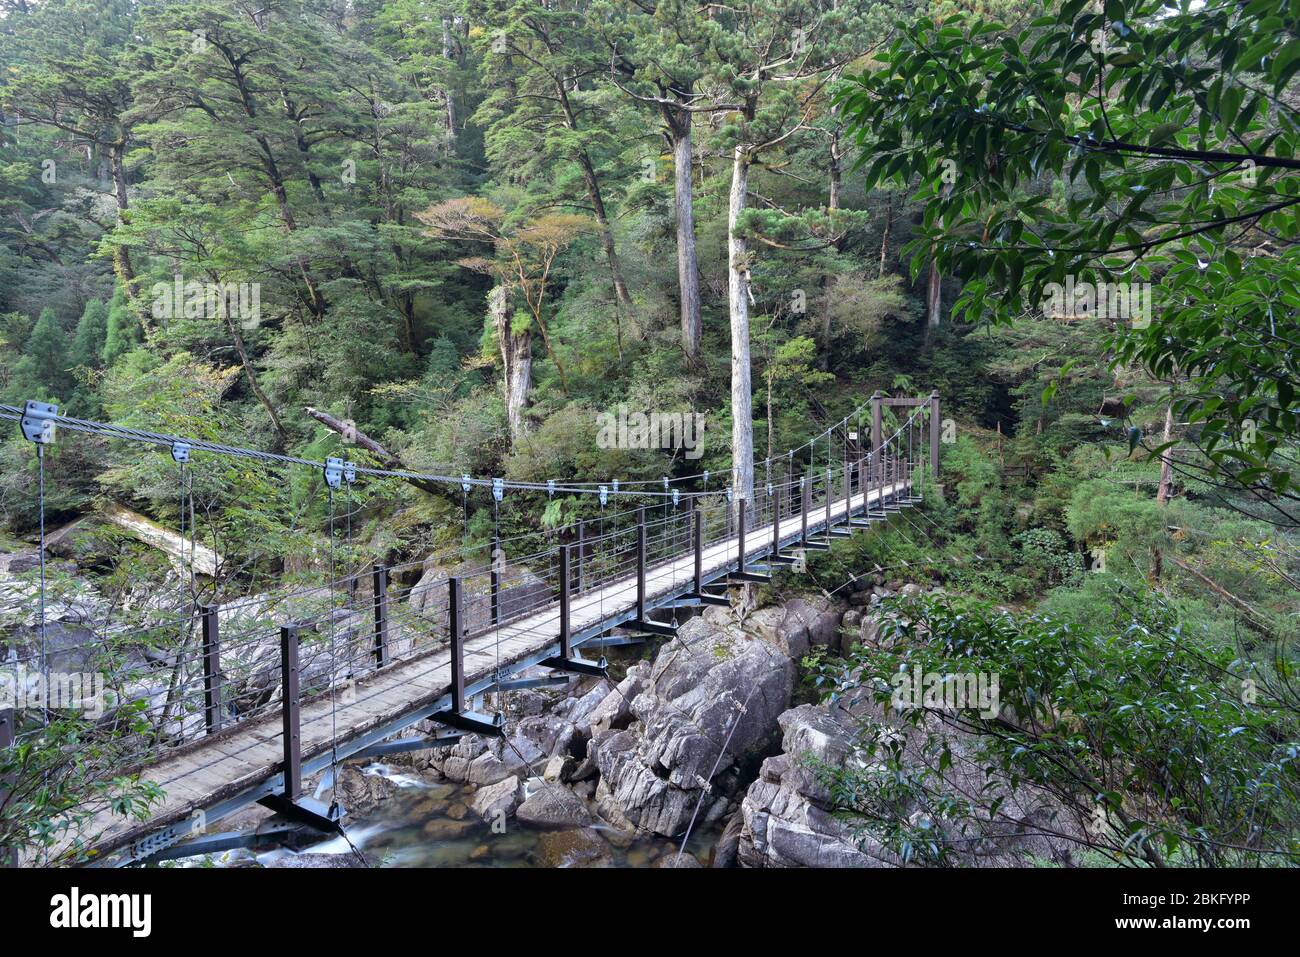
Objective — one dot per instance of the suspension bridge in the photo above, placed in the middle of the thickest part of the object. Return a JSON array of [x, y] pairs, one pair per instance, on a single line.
[[247, 709]]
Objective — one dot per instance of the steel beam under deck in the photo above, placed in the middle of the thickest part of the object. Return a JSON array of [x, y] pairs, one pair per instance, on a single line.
[[273, 785]]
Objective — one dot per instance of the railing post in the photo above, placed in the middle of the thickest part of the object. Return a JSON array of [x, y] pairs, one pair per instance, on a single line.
[[564, 601], [934, 435], [776, 520], [698, 535], [830, 497], [381, 615], [455, 633], [740, 532], [862, 485], [805, 503], [640, 563], [211, 669], [877, 435], [494, 577], [290, 713], [848, 492]]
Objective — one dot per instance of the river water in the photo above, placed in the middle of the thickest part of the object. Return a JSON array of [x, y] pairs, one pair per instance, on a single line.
[[431, 825]]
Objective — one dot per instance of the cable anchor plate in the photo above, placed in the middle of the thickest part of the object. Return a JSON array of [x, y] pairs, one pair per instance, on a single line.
[[38, 422], [333, 472]]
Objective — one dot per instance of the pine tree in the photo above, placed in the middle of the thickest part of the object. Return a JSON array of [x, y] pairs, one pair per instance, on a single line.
[[122, 333], [88, 340], [42, 372]]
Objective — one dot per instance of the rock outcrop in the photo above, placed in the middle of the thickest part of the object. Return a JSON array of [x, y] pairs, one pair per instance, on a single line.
[[790, 817], [712, 694], [799, 625], [495, 801], [788, 812]]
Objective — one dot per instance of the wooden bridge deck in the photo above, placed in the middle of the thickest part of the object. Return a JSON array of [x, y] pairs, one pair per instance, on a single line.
[[249, 756]]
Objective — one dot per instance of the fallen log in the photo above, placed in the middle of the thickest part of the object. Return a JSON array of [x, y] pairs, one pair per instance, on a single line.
[[387, 459], [1253, 619], [204, 559]]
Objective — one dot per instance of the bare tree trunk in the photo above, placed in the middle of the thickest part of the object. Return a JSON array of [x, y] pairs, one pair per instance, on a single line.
[[388, 459], [238, 340], [516, 357], [1166, 461], [836, 170], [688, 273], [742, 413], [122, 264], [828, 283], [621, 294], [933, 298], [448, 99]]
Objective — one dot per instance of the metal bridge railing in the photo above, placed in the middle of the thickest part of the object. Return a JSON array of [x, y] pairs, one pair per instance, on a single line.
[[226, 665]]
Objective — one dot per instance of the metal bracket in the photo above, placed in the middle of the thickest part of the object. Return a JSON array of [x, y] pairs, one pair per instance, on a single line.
[[749, 577], [38, 422], [473, 722], [577, 666], [333, 473], [518, 684], [402, 745], [604, 495], [306, 810], [181, 452], [349, 472], [274, 831], [619, 641], [498, 488], [653, 628], [707, 598]]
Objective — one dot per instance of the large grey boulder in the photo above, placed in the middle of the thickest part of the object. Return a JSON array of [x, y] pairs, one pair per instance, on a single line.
[[788, 812], [712, 694], [495, 801], [577, 710], [528, 744], [791, 819], [819, 615], [615, 710], [770, 625], [798, 625], [553, 805]]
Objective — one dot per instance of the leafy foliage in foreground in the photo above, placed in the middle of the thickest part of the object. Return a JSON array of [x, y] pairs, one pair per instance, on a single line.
[[1154, 744], [1129, 142]]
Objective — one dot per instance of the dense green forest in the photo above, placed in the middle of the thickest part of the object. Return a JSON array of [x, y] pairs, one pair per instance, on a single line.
[[447, 235]]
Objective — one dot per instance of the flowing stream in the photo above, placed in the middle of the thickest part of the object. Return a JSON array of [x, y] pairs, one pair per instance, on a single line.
[[426, 824]]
